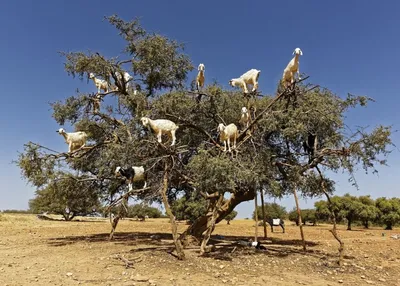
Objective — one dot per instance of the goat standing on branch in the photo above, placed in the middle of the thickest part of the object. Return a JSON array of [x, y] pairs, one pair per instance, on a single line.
[[292, 68], [250, 77], [245, 117], [228, 133], [75, 140], [132, 174], [101, 84], [161, 126], [96, 103], [127, 78], [200, 77]]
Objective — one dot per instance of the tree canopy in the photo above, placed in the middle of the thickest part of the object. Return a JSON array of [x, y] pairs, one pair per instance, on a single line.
[[272, 211]]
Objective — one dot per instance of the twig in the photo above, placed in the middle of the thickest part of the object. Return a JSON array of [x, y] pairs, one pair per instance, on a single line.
[[190, 124], [243, 134], [125, 196]]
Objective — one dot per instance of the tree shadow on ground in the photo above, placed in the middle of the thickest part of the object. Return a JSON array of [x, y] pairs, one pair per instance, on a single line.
[[224, 247]]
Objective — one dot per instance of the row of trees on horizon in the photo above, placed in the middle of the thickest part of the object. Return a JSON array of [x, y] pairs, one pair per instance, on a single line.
[[362, 210]]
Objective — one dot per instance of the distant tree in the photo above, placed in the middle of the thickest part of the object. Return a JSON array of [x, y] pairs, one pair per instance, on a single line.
[[294, 217], [139, 210], [389, 211], [350, 208], [272, 210], [189, 208], [231, 216], [322, 211], [368, 212], [68, 197], [307, 215]]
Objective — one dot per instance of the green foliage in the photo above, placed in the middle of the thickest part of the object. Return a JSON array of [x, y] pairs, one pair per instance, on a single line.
[[189, 208], [159, 61], [322, 211], [272, 210], [354, 209], [368, 212], [389, 211], [67, 197], [292, 216], [307, 215], [140, 210], [231, 216]]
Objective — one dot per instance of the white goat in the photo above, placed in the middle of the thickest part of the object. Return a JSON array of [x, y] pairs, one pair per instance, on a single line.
[[292, 68], [250, 77], [245, 118], [101, 84], [200, 77], [75, 140], [127, 78], [228, 133], [133, 174], [161, 126]]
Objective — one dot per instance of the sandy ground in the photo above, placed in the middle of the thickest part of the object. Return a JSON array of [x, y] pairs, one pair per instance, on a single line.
[[37, 252]]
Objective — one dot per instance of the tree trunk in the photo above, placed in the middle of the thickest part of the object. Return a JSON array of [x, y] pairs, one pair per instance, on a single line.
[[174, 228], [255, 216], [120, 215], [263, 214], [114, 224], [197, 228], [388, 226], [215, 206], [334, 230], [299, 218], [348, 224]]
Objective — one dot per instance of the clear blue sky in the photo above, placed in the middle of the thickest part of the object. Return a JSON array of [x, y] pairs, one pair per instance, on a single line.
[[348, 46]]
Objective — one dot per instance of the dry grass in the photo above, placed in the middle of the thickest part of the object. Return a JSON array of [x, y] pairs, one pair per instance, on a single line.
[[36, 252]]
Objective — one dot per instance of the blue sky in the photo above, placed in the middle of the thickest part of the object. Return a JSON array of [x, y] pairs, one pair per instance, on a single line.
[[348, 46]]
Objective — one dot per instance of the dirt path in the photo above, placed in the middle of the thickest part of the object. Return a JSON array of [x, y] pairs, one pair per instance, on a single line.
[[36, 252]]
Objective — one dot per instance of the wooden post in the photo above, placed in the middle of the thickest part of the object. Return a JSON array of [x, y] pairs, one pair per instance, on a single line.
[[255, 216], [299, 218], [263, 214]]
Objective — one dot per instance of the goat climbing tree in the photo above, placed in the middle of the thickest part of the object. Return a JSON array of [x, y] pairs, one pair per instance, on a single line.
[[291, 133]]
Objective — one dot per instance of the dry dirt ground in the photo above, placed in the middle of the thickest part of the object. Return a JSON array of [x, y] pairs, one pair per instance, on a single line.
[[37, 252]]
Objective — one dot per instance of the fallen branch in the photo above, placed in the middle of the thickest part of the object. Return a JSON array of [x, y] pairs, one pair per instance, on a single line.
[[128, 263]]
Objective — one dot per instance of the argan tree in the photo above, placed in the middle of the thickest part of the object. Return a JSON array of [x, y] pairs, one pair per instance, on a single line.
[[290, 134], [272, 210], [389, 211], [66, 196], [231, 217]]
